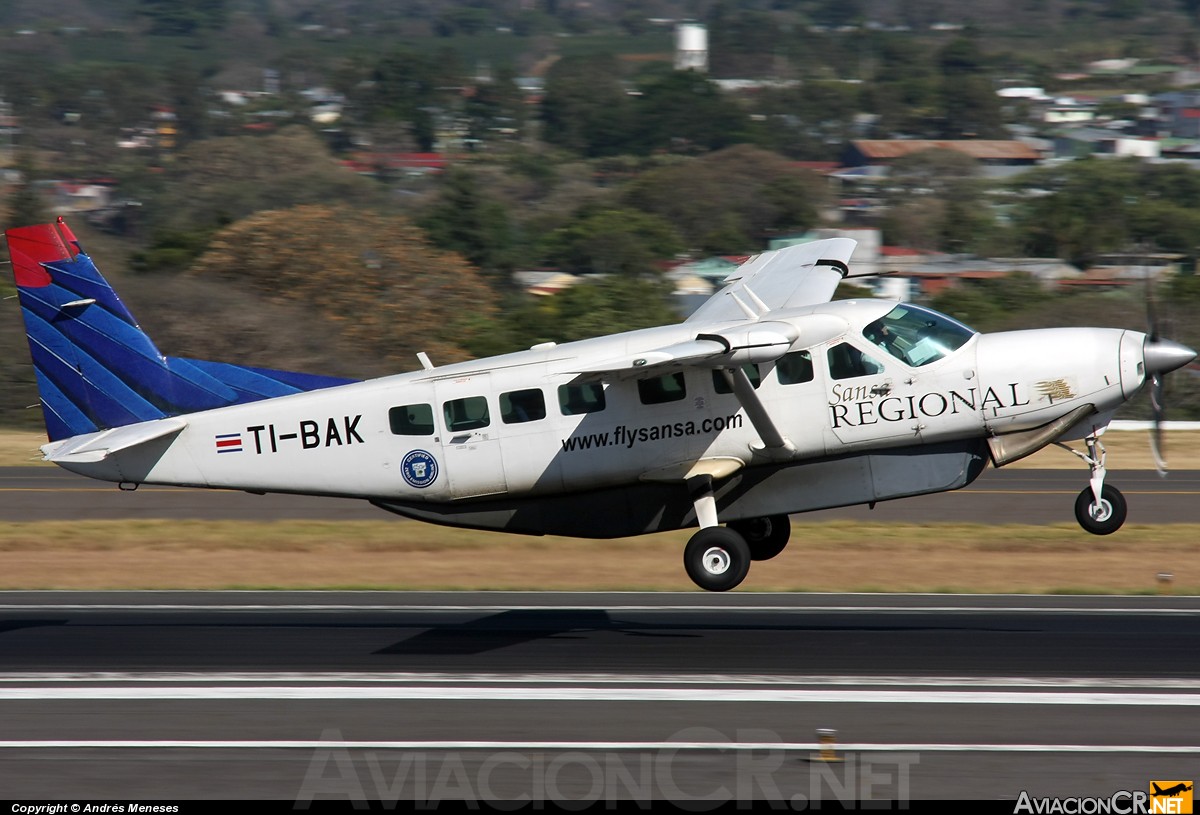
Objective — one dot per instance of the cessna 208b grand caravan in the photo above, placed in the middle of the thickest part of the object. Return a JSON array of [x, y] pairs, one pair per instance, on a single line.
[[768, 400]]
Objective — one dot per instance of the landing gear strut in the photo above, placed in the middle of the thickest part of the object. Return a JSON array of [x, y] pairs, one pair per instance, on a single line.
[[1100, 509], [717, 558]]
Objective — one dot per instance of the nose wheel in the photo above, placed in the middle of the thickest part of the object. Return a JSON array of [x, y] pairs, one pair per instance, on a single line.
[[1101, 517], [1100, 508]]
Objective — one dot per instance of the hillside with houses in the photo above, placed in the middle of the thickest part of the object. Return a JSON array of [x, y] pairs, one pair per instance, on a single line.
[[598, 166]]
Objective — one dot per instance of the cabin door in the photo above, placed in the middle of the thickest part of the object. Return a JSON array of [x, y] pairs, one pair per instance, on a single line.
[[468, 417]]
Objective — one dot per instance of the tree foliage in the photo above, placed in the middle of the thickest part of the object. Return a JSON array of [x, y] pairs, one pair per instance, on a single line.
[[221, 180], [183, 18], [467, 220], [374, 275], [612, 241], [592, 308], [24, 206], [683, 112], [1079, 210], [403, 86], [728, 201], [585, 108]]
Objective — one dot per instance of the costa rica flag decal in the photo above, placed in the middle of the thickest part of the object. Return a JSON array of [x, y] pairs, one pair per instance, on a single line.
[[229, 443]]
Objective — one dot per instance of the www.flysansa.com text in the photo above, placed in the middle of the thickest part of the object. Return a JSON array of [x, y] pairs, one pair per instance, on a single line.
[[629, 437]]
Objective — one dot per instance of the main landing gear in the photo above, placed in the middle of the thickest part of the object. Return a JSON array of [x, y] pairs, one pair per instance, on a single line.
[[1100, 508], [717, 558]]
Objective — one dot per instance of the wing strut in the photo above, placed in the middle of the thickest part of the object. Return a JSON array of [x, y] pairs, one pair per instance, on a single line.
[[775, 444]]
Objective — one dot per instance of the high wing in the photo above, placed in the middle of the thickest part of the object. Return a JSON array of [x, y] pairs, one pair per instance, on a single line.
[[797, 276], [802, 275], [731, 332]]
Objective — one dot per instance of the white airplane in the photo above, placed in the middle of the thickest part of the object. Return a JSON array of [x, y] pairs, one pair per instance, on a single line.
[[768, 400]]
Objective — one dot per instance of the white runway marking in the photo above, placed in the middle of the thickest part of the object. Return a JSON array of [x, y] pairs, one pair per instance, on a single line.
[[492, 609], [552, 679], [600, 694], [309, 744]]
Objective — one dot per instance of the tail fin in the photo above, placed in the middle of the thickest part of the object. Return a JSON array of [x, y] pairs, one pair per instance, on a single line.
[[96, 369]]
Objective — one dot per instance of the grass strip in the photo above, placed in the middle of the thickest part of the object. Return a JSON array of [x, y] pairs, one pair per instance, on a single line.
[[838, 556]]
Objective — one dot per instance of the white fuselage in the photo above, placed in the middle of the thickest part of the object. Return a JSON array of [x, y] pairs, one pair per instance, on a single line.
[[401, 438]]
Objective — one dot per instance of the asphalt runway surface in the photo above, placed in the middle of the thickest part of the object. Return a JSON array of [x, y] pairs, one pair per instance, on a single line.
[[703, 699], [1001, 496]]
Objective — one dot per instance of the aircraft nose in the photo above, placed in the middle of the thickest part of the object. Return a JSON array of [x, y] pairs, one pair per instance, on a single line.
[[1162, 356]]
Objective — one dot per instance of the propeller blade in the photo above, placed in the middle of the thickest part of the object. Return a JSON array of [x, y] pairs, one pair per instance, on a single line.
[[1158, 405]]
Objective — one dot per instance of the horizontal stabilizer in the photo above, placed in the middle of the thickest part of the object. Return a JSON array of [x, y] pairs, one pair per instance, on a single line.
[[95, 447]]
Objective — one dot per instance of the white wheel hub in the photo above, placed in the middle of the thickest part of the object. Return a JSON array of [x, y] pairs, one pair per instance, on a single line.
[[716, 560], [1101, 512]]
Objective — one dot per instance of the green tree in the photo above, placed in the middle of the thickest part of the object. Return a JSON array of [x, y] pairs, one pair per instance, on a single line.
[[730, 200], [613, 241], [683, 112], [813, 121], [937, 201], [183, 18], [403, 86], [188, 102], [903, 91], [742, 41], [585, 108], [466, 220], [596, 308], [970, 106], [496, 105], [222, 180], [374, 275], [1079, 210], [24, 205]]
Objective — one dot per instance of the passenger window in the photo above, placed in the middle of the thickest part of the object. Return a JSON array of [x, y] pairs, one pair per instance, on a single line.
[[469, 413], [847, 362], [660, 389], [411, 420], [721, 386], [576, 399], [795, 368], [517, 407]]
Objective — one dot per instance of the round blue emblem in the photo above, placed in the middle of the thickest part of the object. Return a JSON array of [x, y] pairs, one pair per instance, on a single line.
[[419, 469]]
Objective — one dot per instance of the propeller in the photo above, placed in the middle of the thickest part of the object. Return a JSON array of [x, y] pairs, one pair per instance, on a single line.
[[1161, 357]]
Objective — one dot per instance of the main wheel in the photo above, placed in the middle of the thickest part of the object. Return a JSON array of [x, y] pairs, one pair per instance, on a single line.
[[766, 536], [717, 558], [1103, 518]]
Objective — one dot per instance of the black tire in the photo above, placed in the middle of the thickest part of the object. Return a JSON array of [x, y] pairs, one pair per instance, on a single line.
[[1108, 517], [717, 558], [766, 536]]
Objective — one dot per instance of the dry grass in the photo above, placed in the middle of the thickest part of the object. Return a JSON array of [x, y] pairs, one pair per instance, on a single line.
[[19, 448], [395, 554], [837, 557]]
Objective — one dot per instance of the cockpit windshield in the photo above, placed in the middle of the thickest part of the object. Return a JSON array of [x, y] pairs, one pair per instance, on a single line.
[[917, 336]]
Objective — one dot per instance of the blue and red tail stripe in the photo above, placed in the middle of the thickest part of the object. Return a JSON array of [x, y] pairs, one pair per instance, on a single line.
[[95, 366]]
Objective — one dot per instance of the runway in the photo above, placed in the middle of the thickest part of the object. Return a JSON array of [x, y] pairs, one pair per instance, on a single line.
[[694, 697], [1025, 496]]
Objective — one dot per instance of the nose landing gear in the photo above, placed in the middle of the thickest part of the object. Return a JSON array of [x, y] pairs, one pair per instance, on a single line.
[[1100, 508]]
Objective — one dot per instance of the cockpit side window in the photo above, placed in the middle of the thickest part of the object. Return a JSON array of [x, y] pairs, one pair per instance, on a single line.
[[917, 336], [847, 362]]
